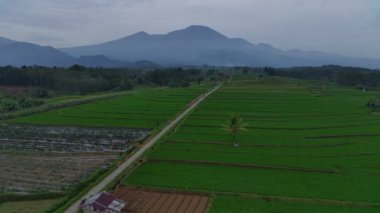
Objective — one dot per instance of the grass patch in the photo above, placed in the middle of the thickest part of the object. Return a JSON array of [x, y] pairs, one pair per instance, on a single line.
[[229, 203], [26, 206]]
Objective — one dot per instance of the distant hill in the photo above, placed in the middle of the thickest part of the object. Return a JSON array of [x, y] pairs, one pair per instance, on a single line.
[[99, 61], [200, 45], [103, 61], [21, 53]]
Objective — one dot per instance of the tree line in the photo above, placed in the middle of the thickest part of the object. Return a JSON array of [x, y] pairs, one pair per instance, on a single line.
[[347, 76], [82, 80]]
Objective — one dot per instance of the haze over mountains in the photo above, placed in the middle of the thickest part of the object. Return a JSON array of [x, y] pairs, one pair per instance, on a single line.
[[193, 46], [22, 53]]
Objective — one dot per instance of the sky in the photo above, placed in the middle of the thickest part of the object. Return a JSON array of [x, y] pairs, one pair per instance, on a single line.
[[349, 27]]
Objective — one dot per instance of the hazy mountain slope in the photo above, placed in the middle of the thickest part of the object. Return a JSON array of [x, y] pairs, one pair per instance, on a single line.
[[5, 41], [100, 61], [199, 45], [103, 61], [21, 53], [193, 46]]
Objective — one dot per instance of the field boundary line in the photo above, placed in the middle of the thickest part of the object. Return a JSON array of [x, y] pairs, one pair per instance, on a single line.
[[361, 204], [283, 128], [344, 136], [338, 144], [253, 166], [139, 153]]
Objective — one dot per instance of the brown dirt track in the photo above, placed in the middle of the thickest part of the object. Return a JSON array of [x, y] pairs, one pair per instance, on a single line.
[[154, 201]]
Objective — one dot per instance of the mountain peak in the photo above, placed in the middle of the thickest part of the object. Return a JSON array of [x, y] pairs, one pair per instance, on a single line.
[[196, 32], [265, 46], [141, 33], [136, 36], [199, 28]]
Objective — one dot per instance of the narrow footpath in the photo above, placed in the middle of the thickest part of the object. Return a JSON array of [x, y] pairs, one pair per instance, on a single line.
[[137, 155]]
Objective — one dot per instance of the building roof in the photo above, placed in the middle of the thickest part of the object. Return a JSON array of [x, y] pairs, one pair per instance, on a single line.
[[104, 201]]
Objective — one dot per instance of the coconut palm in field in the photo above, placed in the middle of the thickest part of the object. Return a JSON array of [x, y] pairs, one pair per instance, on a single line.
[[234, 125]]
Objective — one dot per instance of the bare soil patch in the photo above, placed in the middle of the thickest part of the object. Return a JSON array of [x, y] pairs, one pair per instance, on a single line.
[[156, 201], [29, 172]]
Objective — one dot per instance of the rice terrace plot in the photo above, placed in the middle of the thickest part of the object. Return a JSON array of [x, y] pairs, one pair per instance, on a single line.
[[146, 108], [301, 150]]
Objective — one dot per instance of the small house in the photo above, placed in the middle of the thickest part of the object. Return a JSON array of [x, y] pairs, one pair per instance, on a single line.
[[102, 202]]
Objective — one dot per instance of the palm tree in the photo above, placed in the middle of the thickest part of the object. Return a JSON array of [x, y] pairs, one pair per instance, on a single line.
[[235, 124]]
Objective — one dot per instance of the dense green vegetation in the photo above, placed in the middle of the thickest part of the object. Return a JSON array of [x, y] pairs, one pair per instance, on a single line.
[[146, 108], [30, 89], [303, 142], [348, 76], [14, 103], [82, 80], [76, 79]]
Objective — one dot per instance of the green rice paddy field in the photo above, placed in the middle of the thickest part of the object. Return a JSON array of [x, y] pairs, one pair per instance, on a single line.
[[304, 150], [145, 108]]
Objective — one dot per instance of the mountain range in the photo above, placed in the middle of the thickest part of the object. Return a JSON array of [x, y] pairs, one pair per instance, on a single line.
[[192, 46], [22, 53]]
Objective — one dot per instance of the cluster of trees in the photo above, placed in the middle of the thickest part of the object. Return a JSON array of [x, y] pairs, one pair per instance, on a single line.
[[82, 80], [14, 103], [176, 77], [347, 76], [374, 104], [76, 79]]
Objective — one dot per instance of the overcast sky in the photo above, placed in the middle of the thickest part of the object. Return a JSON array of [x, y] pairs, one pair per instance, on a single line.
[[350, 27]]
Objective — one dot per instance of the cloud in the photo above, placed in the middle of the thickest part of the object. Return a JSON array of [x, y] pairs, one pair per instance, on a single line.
[[349, 27]]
